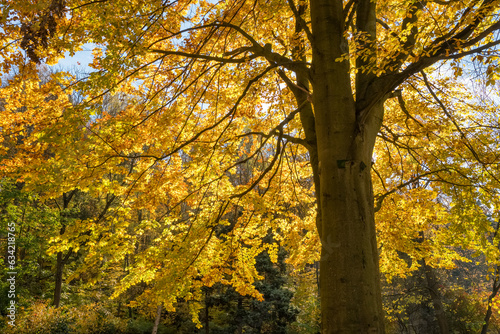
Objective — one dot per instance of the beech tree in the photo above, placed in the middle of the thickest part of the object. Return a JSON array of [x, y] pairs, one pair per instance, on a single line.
[[300, 87]]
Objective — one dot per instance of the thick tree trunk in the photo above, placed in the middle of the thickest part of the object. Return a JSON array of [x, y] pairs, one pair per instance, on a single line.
[[349, 276]]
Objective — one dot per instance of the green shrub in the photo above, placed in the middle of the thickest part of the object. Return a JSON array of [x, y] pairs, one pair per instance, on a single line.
[[42, 318]]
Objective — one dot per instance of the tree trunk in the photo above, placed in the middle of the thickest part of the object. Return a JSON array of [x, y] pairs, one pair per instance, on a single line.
[[436, 298], [59, 279], [207, 313], [157, 319], [240, 321], [61, 261], [494, 292], [349, 272], [432, 285]]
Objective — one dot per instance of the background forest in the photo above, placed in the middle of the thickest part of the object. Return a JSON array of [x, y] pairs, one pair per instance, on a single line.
[[262, 166]]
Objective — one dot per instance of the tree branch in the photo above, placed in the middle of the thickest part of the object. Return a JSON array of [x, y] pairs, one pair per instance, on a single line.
[[256, 48], [205, 57], [300, 20], [380, 198]]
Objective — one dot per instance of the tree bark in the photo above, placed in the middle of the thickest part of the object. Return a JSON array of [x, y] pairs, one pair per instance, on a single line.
[[61, 260], [58, 279], [207, 313], [60, 263], [437, 303], [349, 276], [494, 289], [157, 319], [489, 310], [239, 330]]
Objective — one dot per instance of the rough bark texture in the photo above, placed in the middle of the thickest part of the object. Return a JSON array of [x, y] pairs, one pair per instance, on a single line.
[[349, 282]]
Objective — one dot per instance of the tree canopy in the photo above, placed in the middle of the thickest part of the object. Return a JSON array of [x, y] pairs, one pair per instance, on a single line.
[[205, 126]]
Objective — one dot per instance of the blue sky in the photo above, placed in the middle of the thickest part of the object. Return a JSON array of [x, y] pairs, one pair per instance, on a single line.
[[79, 61]]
